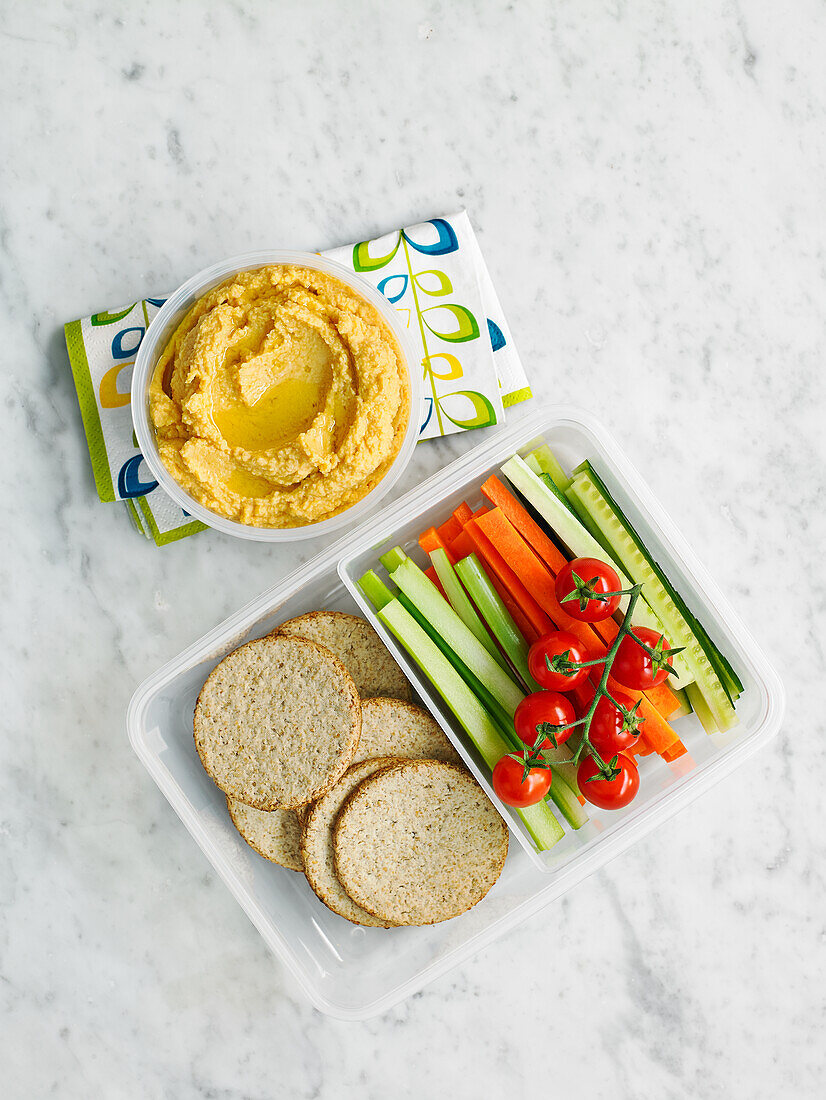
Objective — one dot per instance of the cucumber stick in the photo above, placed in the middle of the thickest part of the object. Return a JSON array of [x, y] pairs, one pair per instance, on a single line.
[[461, 604], [625, 544], [547, 462], [469, 712], [701, 708], [582, 544], [422, 592], [719, 663]]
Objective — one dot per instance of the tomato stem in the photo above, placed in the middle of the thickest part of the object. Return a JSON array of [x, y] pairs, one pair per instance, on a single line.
[[534, 758], [602, 686]]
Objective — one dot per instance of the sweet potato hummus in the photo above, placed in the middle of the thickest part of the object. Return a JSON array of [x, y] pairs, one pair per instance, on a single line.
[[281, 399]]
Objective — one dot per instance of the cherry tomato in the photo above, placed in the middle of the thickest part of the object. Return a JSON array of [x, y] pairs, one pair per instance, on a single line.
[[609, 794], [634, 667], [513, 790], [581, 588], [543, 706], [610, 731], [544, 649]]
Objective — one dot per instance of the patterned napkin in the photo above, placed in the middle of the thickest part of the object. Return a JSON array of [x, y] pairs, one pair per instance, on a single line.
[[435, 276]]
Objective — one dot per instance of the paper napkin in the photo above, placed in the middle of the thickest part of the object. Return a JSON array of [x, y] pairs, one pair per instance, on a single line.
[[435, 276]]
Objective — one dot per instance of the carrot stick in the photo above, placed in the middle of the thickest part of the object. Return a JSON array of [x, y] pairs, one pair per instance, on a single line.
[[491, 555], [481, 511], [663, 698], [449, 530], [534, 576], [431, 540], [658, 734], [677, 750], [545, 548], [461, 546], [463, 513]]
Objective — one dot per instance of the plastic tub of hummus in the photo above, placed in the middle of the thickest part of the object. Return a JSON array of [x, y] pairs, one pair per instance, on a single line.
[[273, 396]]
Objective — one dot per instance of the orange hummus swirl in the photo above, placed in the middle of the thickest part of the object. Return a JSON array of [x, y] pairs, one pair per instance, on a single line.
[[281, 399]]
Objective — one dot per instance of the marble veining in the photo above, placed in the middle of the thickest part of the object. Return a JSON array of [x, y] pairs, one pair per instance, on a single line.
[[647, 184]]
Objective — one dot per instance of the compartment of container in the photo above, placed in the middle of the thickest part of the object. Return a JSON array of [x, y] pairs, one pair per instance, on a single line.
[[664, 787]]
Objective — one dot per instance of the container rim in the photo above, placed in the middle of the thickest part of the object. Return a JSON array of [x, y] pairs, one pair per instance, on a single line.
[[161, 327]]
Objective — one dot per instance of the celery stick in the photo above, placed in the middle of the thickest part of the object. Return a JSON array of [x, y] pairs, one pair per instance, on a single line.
[[461, 604], [375, 589], [496, 615], [539, 820], [547, 462], [564, 788], [491, 705], [392, 559], [438, 612]]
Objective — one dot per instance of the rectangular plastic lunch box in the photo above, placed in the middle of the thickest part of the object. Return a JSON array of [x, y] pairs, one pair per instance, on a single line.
[[352, 972]]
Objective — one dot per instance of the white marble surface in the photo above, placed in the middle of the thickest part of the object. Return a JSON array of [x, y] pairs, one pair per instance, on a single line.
[[647, 184]]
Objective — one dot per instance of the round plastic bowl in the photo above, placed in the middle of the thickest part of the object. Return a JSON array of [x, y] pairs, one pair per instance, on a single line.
[[160, 331]]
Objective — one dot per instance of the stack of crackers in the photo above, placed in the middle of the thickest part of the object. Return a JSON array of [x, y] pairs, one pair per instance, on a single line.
[[329, 768]]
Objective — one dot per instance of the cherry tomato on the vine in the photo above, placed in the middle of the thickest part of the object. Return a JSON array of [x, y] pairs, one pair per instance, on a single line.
[[634, 667], [539, 707], [610, 731], [556, 644], [581, 588], [509, 785], [608, 794]]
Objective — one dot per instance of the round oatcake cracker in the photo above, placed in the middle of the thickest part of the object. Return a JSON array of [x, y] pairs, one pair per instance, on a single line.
[[357, 646], [317, 844], [418, 843], [390, 727], [277, 722], [274, 834]]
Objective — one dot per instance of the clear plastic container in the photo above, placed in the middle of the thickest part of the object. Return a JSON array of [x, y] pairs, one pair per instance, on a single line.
[[160, 331], [354, 973]]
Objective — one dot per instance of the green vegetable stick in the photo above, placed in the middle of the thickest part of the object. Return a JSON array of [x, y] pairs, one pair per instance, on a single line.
[[461, 604], [539, 820], [434, 607]]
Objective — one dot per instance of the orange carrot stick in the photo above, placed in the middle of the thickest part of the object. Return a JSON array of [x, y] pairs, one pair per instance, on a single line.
[[535, 577], [544, 547], [463, 513], [493, 557], [449, 530], [461, 546], [431, 540], [677, 750], [663, 698]]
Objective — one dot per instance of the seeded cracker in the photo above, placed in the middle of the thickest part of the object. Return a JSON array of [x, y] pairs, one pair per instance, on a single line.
[[317, 845], [419, 843], [390, 727], [357, 646], [277, 722], [274, 834]]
